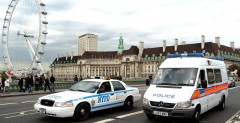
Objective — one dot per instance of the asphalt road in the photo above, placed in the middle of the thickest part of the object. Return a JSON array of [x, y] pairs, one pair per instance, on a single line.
[[20, 110]]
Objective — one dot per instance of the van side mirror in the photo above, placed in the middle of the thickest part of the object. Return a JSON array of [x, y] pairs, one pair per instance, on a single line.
[[204, 83]]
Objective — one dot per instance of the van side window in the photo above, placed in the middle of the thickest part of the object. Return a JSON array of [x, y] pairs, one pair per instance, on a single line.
[[218, 76], [210, 76]]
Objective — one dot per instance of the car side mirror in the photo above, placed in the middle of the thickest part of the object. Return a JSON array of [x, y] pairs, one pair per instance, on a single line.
[[204, 83]]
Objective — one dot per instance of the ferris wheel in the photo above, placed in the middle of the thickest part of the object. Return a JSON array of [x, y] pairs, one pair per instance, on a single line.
[[24, 36]]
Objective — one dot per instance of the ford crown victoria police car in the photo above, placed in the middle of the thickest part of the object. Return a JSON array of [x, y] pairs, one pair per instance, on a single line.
[[88, 96], [186, 86]]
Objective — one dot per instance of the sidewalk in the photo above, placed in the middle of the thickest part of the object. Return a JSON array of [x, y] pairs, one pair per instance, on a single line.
[[42, 92]]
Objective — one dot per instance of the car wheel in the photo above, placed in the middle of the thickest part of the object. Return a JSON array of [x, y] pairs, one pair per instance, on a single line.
[[196, 116], [150, 116], [221, 106], [128, 104], [82, 112]]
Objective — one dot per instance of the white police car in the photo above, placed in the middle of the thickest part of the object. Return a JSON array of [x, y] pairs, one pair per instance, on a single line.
[[88, 96]]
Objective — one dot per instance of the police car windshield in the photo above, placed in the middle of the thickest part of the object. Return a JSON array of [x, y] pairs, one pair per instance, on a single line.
[[85, 86], [175, 76]]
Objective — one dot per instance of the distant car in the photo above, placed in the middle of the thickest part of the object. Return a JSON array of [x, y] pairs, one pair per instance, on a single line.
[[88, 96], [231, 82]]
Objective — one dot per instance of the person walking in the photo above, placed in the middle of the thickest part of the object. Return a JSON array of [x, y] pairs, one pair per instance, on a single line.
[[37, 80], [30, 79], [6, 86], [75, 79], [47, 84], [20, 84], [52, 80]]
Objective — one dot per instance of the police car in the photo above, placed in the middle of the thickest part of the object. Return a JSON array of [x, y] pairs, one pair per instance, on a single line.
[[88, 96]]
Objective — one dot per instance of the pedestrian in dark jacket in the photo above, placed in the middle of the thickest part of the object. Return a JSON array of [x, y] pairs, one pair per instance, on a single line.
[[20, 84], [52, 80], [47, 84]]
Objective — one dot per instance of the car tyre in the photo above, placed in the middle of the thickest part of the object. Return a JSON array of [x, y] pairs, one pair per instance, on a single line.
[[82, 112], [196, 116], [221, 106], [150, 116], [128, 103]]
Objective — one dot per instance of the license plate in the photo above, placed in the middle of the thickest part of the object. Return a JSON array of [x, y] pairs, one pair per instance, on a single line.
[[42, 110], [160, 113]]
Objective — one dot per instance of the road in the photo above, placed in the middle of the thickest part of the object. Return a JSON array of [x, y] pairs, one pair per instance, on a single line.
[[20, 109]]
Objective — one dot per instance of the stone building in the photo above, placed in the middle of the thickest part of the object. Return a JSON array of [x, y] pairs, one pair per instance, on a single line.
[[137, 61]]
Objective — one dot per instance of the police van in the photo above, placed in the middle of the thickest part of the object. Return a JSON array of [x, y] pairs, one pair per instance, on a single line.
[[186, 86]]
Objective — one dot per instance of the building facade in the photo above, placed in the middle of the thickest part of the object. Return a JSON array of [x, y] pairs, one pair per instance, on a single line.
[[87, 42], [137, 61]]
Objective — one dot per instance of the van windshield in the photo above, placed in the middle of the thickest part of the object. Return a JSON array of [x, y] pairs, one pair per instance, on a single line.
[[176, 76]]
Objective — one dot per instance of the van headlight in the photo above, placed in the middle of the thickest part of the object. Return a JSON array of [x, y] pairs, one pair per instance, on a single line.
[[63, 104], [145, 102], [185, 104]]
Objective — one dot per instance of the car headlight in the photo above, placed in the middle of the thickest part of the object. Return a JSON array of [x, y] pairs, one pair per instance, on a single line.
[[145, 102], [182, 105], [63, 104], [39, 101]]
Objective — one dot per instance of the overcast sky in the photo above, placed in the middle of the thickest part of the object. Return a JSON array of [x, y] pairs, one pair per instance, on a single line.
[[151, 21]]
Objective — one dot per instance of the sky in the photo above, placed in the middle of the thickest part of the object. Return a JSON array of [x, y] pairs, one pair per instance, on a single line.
[[150, 21]]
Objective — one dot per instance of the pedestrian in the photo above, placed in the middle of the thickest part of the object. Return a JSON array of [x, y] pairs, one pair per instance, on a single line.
[[30, 84], [37, 80], [26, 83], [41, 81], [80, 79], [47, 84], [20, 84], [2, 83], [52, 80], [6, 86], [75, 78]]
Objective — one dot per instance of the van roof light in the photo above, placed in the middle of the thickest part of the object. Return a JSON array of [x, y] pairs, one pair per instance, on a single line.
[[185, 55]]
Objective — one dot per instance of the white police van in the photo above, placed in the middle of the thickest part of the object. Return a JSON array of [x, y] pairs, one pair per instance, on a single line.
[[186, 86], [88, 96]]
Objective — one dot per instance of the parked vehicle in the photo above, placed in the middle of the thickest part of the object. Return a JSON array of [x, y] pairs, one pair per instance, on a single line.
[[231, 82]]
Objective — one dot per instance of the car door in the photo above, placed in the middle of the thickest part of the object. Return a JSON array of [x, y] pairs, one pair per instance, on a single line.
[[120, 91], [105, 97]]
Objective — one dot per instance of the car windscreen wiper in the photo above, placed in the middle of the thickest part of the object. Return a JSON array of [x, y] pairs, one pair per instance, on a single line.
[[184, 84], [72, 89], [165, 84], [81, 90]]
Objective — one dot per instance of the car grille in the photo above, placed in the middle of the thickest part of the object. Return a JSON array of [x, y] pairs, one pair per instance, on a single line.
[[47, 102], [162, 104]]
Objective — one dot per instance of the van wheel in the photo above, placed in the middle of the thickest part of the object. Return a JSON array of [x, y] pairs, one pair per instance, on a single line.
[[82, 112], [128, 104], [150, 116], [221, 106], [196, 116]]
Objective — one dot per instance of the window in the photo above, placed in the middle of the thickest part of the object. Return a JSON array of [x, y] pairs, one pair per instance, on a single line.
[[105, 87], [218, 76], [210, 75], [117, 86]]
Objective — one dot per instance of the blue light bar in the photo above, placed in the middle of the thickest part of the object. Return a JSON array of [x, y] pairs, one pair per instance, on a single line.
[[185, 55], [220, 59]]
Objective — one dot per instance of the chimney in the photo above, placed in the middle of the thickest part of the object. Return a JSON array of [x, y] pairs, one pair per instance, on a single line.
[[58, 57], [176, 44], [164, 45], [217, 41], [203, 42], [232, 45], [67, 54], [183, 42], [72, 53]]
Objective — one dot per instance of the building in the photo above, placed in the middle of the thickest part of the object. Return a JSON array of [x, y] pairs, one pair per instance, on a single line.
[[87, 42], [137, 61]]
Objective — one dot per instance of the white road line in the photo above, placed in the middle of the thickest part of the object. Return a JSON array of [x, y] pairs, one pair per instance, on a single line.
[[229, 120], [29, 101], [16, 112], [105, 121], [21, 115], [127, 115], [8, 104]]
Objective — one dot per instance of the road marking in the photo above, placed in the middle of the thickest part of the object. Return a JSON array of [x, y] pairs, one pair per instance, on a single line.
[[127, 115], [16, 112], [20, 115], [29, 101], [105, 121], [8, 104], [235, 118]]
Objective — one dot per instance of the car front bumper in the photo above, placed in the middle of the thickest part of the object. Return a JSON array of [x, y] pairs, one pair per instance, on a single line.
[[174, 113]]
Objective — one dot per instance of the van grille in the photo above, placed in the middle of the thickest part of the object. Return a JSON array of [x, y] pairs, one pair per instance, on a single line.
[[47, 102], [162, 104]]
